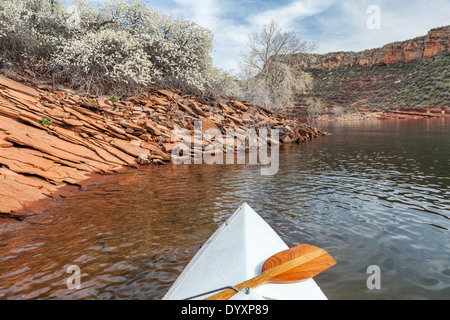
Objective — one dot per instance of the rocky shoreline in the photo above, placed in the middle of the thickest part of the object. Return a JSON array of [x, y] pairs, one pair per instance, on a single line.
[[52, 141], [385, 115]]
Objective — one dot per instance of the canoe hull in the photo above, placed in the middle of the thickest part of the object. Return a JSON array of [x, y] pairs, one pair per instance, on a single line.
[[235, 253]]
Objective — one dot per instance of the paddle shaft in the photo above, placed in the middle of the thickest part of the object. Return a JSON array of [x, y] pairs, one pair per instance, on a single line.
[[266, 275]]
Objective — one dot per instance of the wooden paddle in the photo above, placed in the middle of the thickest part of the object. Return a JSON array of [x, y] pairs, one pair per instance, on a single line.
[[292, 265]]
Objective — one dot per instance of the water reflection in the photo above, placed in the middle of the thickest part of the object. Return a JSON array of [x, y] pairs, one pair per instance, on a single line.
[[370, 193]]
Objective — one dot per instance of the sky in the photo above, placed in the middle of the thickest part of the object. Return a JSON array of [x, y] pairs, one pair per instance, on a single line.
[[334, 25]]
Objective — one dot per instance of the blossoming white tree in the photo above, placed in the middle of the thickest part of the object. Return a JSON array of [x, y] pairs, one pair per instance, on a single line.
[[116, 45]]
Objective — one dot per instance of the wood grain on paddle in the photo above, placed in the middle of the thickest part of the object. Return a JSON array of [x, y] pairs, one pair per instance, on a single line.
[[292, 265]]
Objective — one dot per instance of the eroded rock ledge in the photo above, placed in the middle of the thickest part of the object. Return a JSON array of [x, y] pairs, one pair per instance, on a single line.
[[436, 41], [49, 140]]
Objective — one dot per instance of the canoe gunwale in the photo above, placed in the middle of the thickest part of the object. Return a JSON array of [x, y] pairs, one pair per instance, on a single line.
[[203, 249]]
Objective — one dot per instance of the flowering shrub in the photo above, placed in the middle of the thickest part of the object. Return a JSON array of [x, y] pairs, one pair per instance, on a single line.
[[101, 58], [113, 46], [28, 32]]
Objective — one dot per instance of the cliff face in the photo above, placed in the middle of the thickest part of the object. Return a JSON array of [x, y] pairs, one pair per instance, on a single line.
[[436, 41], [413, 74], [418, 84]]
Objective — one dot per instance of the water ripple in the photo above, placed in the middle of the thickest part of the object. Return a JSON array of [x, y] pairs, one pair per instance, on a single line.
[[373, 193]]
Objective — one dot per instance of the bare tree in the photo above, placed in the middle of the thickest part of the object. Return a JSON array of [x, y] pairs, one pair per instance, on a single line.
[[271, 77]]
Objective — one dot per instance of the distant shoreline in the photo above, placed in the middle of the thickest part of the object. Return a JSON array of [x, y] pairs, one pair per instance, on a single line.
[[384, 115]]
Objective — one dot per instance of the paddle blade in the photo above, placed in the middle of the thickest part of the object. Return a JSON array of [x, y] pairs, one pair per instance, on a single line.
[[321, 261], [292, 265]]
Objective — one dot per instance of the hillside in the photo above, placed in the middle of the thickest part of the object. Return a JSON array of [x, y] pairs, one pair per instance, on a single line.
[[412, 74], [417, 84]]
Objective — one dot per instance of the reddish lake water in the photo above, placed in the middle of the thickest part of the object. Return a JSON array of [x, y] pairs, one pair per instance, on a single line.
[[371, 193]]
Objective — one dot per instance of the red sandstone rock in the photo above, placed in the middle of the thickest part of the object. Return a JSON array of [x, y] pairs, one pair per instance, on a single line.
[[436, 41], [80, 137]]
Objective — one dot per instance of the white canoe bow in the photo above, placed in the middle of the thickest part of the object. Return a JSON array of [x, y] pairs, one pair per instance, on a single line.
[[235, 253]]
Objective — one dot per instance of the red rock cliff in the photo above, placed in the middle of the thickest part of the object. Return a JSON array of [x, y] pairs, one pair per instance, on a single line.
[[436, 41]]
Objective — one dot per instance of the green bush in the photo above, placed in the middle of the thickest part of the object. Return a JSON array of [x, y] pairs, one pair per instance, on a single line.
[[45, 122]]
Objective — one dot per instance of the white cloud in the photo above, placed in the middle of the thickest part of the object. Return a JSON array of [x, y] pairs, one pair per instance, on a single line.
[[204, 12], [286, 15]]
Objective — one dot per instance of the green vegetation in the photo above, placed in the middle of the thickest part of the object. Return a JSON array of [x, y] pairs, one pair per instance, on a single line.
[[45, 122], [417, 84]]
